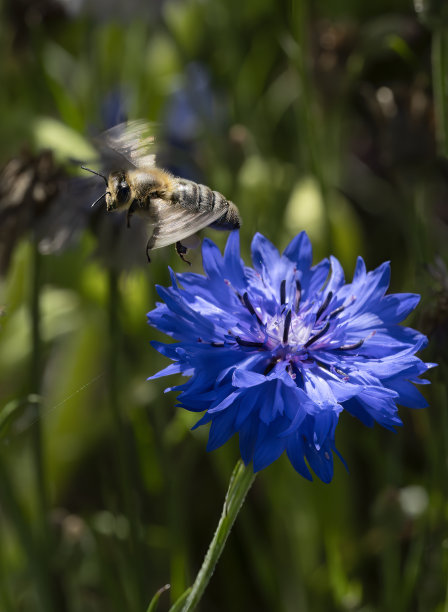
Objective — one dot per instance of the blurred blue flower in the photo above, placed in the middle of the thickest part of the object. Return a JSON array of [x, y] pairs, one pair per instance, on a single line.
[[276, 352], [191, 105], [193, 110], [114, 108]]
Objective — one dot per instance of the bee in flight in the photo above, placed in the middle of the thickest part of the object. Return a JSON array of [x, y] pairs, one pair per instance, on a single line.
[[174, 208]]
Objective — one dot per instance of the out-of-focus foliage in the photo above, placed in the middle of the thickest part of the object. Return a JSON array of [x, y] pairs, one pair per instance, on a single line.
[[315, 116]]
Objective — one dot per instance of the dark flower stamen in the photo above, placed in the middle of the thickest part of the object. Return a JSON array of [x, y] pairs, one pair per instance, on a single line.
[[336, 312], [240, 297], [217, 343], [250, 308], [283, 291], [242, 342], [318, 335], [298, 295], [271, 365], [322, 365], [287, 326], [344, 375], [323, 307], [352, 347]]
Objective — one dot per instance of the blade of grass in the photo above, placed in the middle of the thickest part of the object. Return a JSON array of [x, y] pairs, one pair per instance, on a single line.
[[439, 58]]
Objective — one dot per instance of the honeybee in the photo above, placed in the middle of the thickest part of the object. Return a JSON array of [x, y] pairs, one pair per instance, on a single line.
[[175, 208]]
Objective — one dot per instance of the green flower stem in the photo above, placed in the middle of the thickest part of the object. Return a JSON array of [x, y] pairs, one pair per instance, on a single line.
[[35, 384], [240, 483], [15, 516], [308, 111], [42, 567], [440, 84], [123, 455], [155, 600]]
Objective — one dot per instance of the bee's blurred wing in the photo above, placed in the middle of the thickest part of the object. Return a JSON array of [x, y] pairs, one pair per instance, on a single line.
[[68, 214], [173, 222], [127, 145]]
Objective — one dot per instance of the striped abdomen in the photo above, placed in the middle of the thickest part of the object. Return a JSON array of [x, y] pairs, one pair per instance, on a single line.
[[200, 198]]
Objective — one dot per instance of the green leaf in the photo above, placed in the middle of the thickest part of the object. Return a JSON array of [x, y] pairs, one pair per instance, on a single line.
[[155, 600], [178, 605]]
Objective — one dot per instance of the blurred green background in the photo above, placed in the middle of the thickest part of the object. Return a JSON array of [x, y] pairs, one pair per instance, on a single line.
[[327, 116]]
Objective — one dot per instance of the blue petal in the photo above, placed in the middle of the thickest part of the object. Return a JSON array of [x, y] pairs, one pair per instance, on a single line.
[[173, 368], [320, 461], [248, 404], [337, 276], [221, 429], [248, 434], [354, 407], [173, 278], [300, 251], [178, 306], [408, 395], [204, 420], [374, 287], [360, 271], [234, 268], [396, 307], [341, 458], [319, 391], [169, 350], [269, 264], [264, 253], [297, 420], [269, 445], [271, 404], [314, 279], [296, 453], [383, 410], [225, 403], [343, 390], [211, 258], [324, 422], [245, 378]]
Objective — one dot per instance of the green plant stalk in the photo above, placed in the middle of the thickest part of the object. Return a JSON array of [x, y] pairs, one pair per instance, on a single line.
[[155, 600], [439, 58], [36, 546], [35, 383], [240, 483], [42, 541], [125, 472], [444, 426], [11, 510], [307, 111]]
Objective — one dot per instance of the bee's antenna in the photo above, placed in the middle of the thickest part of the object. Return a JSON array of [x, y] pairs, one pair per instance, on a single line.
[[98, 174], [100, 198]]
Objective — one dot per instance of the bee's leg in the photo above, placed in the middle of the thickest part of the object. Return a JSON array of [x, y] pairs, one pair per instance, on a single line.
[[130, 212], [181, 251], [151, 242]]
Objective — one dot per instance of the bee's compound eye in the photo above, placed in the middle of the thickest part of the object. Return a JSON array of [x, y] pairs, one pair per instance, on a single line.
[[123, 192]]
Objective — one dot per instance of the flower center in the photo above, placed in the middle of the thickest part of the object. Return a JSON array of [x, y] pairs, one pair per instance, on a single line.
[[294, 330], [291, 329]]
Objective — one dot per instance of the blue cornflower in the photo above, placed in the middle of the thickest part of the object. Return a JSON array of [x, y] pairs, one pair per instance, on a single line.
[[276, 352]]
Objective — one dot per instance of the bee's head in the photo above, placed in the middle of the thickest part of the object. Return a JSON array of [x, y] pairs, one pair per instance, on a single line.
[[118, 194]]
